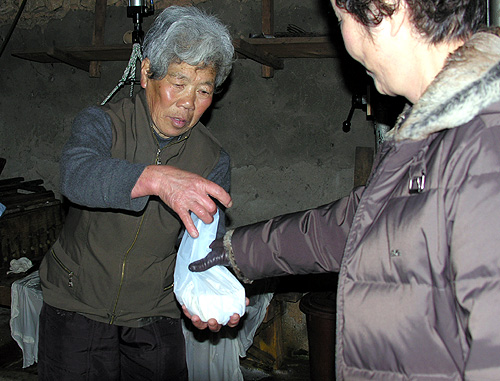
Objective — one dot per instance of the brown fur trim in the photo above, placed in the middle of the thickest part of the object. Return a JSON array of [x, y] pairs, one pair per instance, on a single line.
[[228, 248]]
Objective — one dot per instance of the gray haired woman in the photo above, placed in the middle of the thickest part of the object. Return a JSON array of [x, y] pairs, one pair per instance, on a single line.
[[133, 170]]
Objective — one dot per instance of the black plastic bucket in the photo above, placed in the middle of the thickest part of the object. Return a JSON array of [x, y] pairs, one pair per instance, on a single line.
[[320, 310]]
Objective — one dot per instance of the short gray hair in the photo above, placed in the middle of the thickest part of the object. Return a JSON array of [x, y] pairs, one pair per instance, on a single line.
[[187, 34]]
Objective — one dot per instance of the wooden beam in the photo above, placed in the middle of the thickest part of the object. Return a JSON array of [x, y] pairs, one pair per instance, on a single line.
[[83, 53], [298, 47], [257, 54], [67, 58], [267, 30], [98, 36]]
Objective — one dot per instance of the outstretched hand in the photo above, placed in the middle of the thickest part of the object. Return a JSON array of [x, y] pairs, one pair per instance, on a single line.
[[212, 324], [183, 192], [217, 256]]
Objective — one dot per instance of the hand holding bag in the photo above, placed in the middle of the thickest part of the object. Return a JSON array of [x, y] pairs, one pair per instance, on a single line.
[[214, 293]]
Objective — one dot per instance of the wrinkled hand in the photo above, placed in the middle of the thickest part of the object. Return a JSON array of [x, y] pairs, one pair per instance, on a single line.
[[217, 256], [212, 324], [183, 192]]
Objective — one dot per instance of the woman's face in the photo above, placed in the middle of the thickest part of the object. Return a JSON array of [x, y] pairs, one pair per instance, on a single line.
[[373, 48], [177, 101]]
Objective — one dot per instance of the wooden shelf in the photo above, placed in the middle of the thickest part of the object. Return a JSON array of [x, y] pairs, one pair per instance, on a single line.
[[267, 51], [295, 47], [79, 55]]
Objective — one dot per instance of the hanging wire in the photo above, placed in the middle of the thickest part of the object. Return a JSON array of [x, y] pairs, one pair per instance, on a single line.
[[12, 27], [129, 73]]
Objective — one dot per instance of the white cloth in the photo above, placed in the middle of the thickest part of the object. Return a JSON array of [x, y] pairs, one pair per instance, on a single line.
[[26, 296], [20, 265], [216, 356]]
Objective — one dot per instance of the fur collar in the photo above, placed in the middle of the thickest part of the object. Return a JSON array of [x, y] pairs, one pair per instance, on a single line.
[[469, 82]]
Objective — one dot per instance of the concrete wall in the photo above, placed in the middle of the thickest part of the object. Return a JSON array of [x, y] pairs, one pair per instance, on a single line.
[[284, 134]]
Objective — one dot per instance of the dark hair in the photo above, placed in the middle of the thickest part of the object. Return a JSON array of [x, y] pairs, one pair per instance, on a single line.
[[436, 20]]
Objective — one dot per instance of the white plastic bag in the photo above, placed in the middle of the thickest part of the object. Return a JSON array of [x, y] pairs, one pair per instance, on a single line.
[[214, 293]]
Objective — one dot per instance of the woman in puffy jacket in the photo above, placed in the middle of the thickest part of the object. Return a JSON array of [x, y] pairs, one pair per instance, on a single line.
[[418, 248]]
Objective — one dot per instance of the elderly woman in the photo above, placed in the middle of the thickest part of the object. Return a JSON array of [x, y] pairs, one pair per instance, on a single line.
[[132, 171], [418, 248]]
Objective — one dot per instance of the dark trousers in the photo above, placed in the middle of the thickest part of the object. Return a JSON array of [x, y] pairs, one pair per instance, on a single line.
[[72, 347]]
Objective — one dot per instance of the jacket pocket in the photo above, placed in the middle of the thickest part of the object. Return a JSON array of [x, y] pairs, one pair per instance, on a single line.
[[62, 272]]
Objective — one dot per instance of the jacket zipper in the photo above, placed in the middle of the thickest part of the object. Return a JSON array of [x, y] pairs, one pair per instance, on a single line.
[[159, 150], [157, 161], [122, 275], [59, 262]]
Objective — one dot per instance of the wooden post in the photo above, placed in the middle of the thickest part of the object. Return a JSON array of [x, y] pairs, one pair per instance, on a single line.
[[98, 36], [267, 30], [362, 165]]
